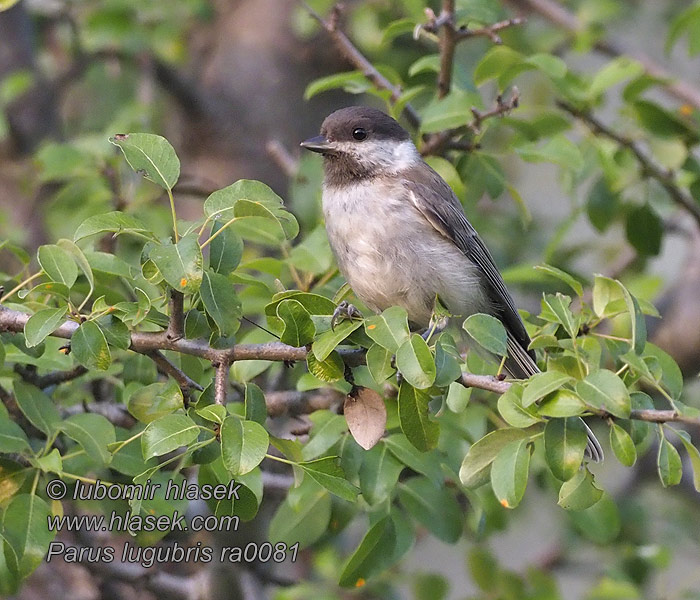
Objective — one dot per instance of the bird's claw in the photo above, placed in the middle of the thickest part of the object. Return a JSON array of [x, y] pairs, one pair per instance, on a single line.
[[344, 310]]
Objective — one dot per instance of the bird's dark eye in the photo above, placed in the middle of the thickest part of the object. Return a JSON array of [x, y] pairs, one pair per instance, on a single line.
[[359, 134]]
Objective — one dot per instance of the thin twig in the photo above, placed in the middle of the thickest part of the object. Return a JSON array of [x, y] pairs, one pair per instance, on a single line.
[[53, 378], [221, 381], [351, 54], [438, 143], [649, 168], [167, 368], [282, 158], [489, 31]]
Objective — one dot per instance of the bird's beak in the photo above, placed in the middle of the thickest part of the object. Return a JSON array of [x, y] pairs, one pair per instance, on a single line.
[[318, 144]]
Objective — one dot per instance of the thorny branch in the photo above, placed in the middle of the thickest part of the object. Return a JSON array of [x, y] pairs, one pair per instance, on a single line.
[[146, 342], [649, 168]]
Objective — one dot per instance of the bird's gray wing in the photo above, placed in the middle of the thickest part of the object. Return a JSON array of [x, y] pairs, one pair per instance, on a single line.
[[436, 201]]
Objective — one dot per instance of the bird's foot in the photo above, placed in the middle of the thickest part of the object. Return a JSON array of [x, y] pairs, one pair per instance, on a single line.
[[343, 311]]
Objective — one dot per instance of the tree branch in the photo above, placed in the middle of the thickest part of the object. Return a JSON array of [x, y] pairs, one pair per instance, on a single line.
[[176, 325], [53, 378], [557, 14], [351, 54], [167, 368], [221, 381], [649, 168], [448, 42]]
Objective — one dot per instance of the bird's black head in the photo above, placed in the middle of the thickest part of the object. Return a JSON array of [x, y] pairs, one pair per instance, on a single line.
[[360, 142]]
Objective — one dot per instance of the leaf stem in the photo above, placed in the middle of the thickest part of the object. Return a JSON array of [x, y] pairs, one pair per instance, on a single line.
[[217, 232], [19, 286], [172, 210]]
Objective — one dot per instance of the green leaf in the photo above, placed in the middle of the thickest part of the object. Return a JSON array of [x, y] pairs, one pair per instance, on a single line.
[[221, 302], [541, 384], [255, 406], [693, 455], [602, 205], [151, 402], [416, 363], [434, 507], [614, 72], [663, 123], [12, 438], [330, 475], [257, 212], [378, 474], [379, 363], [509, 473], [645, 229], [225, 250], [604, 390], [447, 361], [389, 329], [180, 264], [477, 463], [511, 407], [81, 261], [425, 463], [557, 149], [89, 347], [563, 403], [58, 264], [112, 222], [326, 431], [454, 110], [668, 463], [414, 417], [93, 432], [303, 517], [372, 556], [326, 342], [622, 445], [599, 523], [37, 407], [671, 376], [496, 62], [573, 283], [488, 332], [579, 492], [43, 323], [25, 530], [299, 329], [365, 414], [564, 445], [151, 155], [560, 313], [430, 63], [353, 82], [168, 433], [7, 4], [329, 370], [243, 445]]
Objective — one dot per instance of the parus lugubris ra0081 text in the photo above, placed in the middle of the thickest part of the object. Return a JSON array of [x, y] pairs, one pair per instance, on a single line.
[[400, 234]]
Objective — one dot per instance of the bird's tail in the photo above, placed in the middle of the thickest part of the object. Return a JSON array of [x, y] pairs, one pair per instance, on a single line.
[[521, 365]]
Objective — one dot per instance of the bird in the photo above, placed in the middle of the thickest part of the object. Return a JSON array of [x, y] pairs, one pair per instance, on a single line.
[[400, 235]]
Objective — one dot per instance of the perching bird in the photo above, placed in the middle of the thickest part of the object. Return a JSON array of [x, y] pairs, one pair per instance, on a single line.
[[400, 235]]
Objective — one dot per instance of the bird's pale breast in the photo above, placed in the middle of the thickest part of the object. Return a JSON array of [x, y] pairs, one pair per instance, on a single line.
[[391, 255]]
